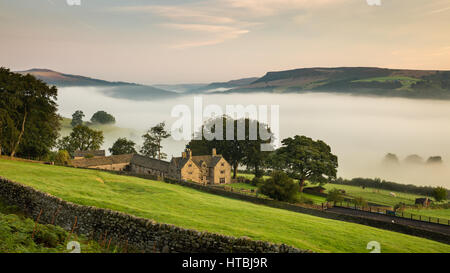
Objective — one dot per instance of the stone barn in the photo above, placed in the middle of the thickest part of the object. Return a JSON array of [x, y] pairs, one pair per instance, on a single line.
[[423, 201], [144, 165], [112, 163]]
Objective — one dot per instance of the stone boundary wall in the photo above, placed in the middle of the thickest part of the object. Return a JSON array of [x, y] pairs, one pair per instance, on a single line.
[[140, 233]]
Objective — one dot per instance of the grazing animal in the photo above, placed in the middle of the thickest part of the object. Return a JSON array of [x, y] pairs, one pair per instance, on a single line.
[[393, 194]]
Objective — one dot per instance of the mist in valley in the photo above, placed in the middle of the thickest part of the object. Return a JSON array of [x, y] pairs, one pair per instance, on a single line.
[[360, 130]]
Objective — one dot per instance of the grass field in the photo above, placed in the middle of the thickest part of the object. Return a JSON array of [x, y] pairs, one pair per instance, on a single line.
[[438, 213], [189, 208], [377, 196], [405, 81], [242, 186], [382, 197]]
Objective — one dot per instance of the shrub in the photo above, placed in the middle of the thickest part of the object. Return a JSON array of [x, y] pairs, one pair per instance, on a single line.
[[400, 206], [279, 187], [359, 201], [256, 181], [440, 194], [62, 157], [335, 196], [49, 236]]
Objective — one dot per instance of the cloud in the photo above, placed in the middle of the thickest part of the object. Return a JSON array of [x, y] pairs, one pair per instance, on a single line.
[[199, 14], [439, 10], [224, 20], [274, 7], [197, 17], [219, 34]]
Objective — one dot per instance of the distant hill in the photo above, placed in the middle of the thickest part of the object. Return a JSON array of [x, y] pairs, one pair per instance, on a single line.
[[123, 90], [181, 88], [354, 80], [429, 84], [223, 86], [61, 79]]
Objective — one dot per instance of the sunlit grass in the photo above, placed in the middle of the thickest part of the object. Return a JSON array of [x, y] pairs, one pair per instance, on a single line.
[[189, 208]]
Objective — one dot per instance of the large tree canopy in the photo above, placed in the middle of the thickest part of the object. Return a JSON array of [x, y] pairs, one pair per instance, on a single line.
[[243, 150], [77, 118], [305, 159], [81, 138], [123, 146], [152, 141], [29, 124], [102, 117]]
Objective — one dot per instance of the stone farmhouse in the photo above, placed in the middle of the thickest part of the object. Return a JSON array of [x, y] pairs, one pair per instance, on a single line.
[[204, 169]]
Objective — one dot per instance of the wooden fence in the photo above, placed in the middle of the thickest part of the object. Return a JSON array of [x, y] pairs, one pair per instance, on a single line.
[[400, 214]]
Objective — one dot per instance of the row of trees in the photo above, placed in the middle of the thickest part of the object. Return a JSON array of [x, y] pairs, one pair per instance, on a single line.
[[300, 157], [378, 183], [392, 159], [30, 125], [85, 139], [100, 117]]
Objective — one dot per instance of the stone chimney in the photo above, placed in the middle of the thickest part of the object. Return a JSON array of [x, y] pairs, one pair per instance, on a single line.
[[214, 152], [189, 152]]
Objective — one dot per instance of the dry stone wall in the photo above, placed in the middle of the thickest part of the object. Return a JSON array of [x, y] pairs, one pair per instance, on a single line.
[[140, 233]]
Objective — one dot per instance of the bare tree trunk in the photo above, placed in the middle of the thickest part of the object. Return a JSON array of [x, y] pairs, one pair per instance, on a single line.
[[13, 152], [256, 171], [235, 166], [159, 151], [302, 184]]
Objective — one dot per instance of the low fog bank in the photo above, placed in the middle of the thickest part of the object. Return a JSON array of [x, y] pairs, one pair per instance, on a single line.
[[360, 130]]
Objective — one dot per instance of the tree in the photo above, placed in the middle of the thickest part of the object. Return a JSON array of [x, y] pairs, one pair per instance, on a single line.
[[29, 120], [81, 138], [391, 159], [435, 160], [62, 158], [280, 187], [152, 141], [335, 196], [305, 159], [77, 118], [359, 201], [122, 146], [440, 194], [101, 117], [236, 151]]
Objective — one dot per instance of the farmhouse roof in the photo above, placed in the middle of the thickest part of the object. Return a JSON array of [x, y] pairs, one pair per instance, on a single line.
[[86, 153], [210, 160], [100, 161], [150, 163]]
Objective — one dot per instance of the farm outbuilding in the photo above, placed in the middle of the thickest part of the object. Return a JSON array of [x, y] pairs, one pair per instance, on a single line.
[[423, 201]]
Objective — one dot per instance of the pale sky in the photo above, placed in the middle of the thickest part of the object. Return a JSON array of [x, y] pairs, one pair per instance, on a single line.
[[197, 41]]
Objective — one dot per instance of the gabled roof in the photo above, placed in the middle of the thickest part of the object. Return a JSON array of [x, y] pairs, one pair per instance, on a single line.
[[86, 153], [100, 161], [210, 160], [150, 163]]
